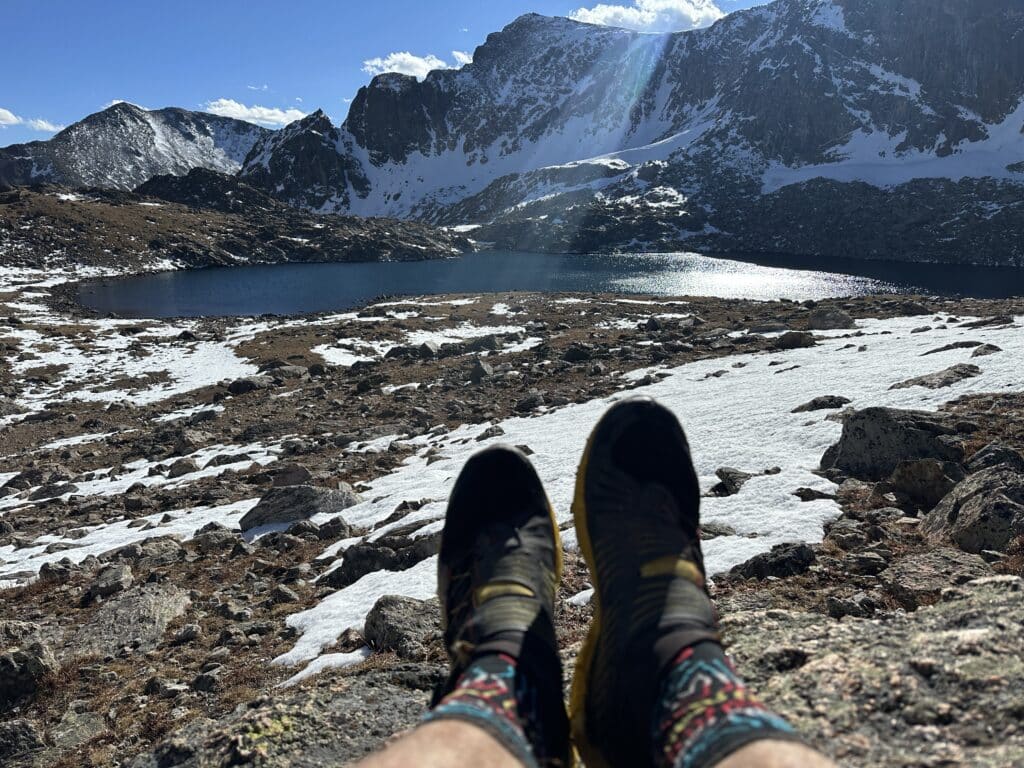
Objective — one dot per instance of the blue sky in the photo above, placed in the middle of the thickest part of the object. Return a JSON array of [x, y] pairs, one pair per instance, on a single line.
[[261, 60]]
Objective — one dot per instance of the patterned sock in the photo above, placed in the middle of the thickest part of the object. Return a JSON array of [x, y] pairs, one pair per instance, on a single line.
[[705, 712], [493, 695]]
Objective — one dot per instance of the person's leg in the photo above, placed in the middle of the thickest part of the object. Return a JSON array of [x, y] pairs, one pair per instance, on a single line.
[[444, 744], [653, 685], [499, 565]]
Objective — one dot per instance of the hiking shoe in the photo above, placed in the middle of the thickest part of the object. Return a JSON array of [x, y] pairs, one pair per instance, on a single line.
[[636, 508], [499, 566]]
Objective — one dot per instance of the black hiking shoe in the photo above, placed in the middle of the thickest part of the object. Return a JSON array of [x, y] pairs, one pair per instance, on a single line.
[[636, 508], [499, 566]]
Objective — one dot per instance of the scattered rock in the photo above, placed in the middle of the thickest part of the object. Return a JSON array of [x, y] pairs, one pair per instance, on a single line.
[[405, 626], [22, 670], [825, 402], [298, 502], [795, 340], [782, 560], [829, 319], [731, 481], [986, 349], [389, 553], [109, 581], [919, 579], [946, 378], [17, 737]]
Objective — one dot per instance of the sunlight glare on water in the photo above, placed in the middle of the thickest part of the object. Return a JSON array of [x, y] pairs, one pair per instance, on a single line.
[[690, 274]]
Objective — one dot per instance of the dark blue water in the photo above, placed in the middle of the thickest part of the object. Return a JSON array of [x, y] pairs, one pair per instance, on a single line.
[[300, 288]]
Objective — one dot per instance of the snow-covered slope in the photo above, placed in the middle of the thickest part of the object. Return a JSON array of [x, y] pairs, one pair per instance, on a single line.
[[573, 137], [124, 146]]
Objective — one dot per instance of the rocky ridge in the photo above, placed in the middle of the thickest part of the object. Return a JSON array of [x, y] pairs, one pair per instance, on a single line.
[[878, 129]]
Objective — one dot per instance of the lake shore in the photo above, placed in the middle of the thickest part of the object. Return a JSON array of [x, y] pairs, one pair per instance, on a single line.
[[135, 449]]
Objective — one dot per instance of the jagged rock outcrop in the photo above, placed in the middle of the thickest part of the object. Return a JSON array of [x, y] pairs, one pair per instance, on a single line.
[[302, 165]]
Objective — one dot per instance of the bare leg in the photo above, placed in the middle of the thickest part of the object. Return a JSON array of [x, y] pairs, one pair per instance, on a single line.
[[444, 744], [776, 754]]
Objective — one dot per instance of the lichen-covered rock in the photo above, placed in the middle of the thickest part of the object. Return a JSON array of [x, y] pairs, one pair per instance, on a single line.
[[919, 579], [984, 512], [940, 686], [22, 670], [403, 625], [875, 440]]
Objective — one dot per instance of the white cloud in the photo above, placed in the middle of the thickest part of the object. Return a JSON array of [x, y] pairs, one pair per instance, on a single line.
[[112, 102], [653, 15], [270, 117], [407, 63], [36, 124], [257, 87], [298, 99]]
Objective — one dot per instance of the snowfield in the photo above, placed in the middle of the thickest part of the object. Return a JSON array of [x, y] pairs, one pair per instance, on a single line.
[[740, 419]]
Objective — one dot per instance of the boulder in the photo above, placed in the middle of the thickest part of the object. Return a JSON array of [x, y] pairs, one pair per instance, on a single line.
[[782, 560], [77, 728], [182, 467], [22, 670], [829, 319], [389, 553], [249, 384], [138, 618], [18, 737], [404, 626], [919, 579], [941, 379], [795, 340], [993, 455], [986, 349], [109, 581], [481, 370], [291, 503], [983, 512], [924, 482], [290, 474], [731, 481], [875, 440], [825, 402]]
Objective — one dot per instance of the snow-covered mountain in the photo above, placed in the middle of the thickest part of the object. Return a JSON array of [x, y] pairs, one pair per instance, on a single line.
[[862, 128], [125, 145], [867, 128]]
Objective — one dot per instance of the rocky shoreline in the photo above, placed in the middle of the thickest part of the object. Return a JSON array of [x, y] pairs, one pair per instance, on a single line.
[[184, 502]]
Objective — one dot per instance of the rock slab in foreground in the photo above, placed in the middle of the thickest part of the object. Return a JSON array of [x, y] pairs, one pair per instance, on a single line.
[[940, 686]]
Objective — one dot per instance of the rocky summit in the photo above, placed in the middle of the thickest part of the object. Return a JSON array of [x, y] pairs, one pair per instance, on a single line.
[[895, 123]]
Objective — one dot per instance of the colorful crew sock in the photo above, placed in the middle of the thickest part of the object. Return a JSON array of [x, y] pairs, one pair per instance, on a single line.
[[705, 712], [495, 695]]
